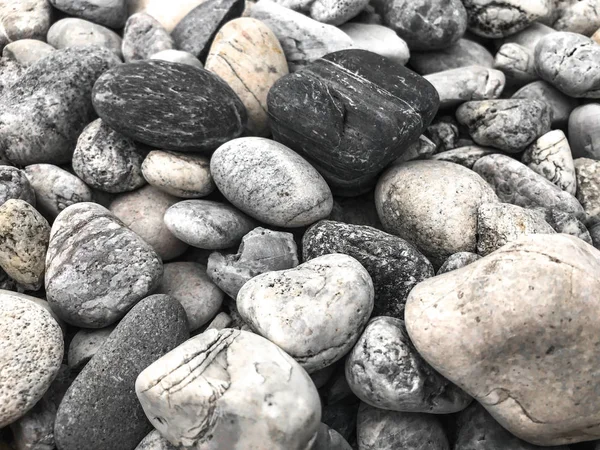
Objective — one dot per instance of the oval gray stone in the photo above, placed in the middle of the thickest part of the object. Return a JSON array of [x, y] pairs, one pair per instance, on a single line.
[[73, 32], [144, 36], [378, 39], [24, 19], [517, 63]]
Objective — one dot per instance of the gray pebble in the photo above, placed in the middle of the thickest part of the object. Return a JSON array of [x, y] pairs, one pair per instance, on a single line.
[[463, 53], [27, 51], [528, 37], [465, 156], [14, 183], [72, 32], [517, 63], [327, 11], [444, 133], [329, 439], [155, 441], [178, 56], [588, 187], [584, 131], [10, 72], [82, 260], [143, 37], [422, 148], [458, 261], [85, 344], [24, 19], [110, 13], [560, 104], [378, 39], [566, 223]]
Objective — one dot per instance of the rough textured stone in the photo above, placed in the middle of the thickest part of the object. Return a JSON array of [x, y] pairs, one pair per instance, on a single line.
[[458, 261], [24, 19], [540, 286], [143, 37], [560, 104], [463, 53], [178, 56], [294, 308], [102, 397], [588, 187], [110, 13], [465, 156], [72, 32], [566, 223], [134, 100], [155, 441], [378, 39], [85, 344], [82, 262], [27, 51], [517, 63], [444, 133], [584, 131], [10, 72], [14, 183], [238, 376], [349, 91]]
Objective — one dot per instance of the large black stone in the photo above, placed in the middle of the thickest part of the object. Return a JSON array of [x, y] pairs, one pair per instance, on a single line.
[[169, 106], [350, 114]]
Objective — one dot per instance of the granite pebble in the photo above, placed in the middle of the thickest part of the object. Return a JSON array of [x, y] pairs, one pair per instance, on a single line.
[[143, 37], [14, 183], [24, 19], [458, 261], [588, 187]]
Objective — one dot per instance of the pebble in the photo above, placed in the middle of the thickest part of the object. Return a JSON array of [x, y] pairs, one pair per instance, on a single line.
[[351, 90], [395, 265], [178, 174], [24, 235], [27, 51], [168, 14], [465, 156], [247, 55], [588, 187], [563, 222], [584, 131], [220, 321], [270, 183], [444, 133], [560, 104], [156, 102], [528, 37], [177, 56], [261, 251], [102, 399], [55, 188], [196, 31], [110, 13], [397, 378], [14, 183], [24, 19], [293, 308], [517, 184], [458, 261], [327, 11], [570, 62], [234, 374], [73, 32], [207, 224], [509, 125], [551, 157], [142, 211], [89, 250], [31, 347], [329, 439], [155, 441], [433, 205], [517, 63], [65, 76], [423, 148], [424, 24], [303, 39], [553, 300], [581, 17], [143, 37], [378, 39], [85, 344], [463, 53]]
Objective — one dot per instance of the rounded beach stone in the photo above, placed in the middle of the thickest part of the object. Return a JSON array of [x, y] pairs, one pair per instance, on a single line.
[[458, 261], [27, 51], [397, 378], [65, 76], [72, 32], [432, 204], [465, 156], [378, 39], [271, 183], [102, 397], [335, 12], [55, 188], [395, 265], [85, 344], [178, 56], [424, 24], [378, 429], [89, 250], [207, 224], [14, 183], [24, 19], [261, 251], [157, 103], [560, 104], [584, 131], [588, 187], [31, 350], [188, 283], [110, 13], [181, 175], [168, 14], [155, 441], [463, 53], [107, 160], [24, 235], [517, 63], [234, 399], [581, 17], [329, 439], [538, 284], [294, 308], [143, 37], [570, 62], [247, 55], [510, 125]]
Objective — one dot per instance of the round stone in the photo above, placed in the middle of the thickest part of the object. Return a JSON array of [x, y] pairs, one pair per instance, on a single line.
[[24, 19], [14, 183], [584, 131], [143, 37], [73, 32], [378, 39]]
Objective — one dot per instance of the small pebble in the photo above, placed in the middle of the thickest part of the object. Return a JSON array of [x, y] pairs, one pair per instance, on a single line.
[[24, 19], [73, 32], [15, 183], [463, 53], [458, 261], [584, 131], [143, 37], [423, 148], [378, 39], [517, 63], [177, 56], [444, 133], [220, 321], [588, 187], [27, 51], [560, 104], [110, 13], [85, 344]]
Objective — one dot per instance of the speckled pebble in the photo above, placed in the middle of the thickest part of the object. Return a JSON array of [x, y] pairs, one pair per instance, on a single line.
[[155, 441], [588, 187], [14, 183], [143, 37], [24, 19]]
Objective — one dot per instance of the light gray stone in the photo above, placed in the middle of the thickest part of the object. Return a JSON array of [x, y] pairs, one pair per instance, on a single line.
[[332, 11], [560, 104], [72, 32], [566, 223], [178, 56], [220, 321], [143, 37], [584, 131], [27, 51], [528, 37], [458, 261], [581, 17], [517, 62], [378, 39], [465, 156], [110, 13], [85, 344], [588, 187], [14, 183], [463, 53], [155, 441], [24, 19]]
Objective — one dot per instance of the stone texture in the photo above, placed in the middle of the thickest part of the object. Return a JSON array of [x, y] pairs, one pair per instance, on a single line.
[[178, 56], [327, 11], [102, 397], [566, 223], [168, 14], [584, 131], [157, 103], [517, 63], [463, 53], [230, 389], [14, 183], [378, 39], [530, 36], [110, 13], [579, 17], [458, 261], [595, 234], [540, 286], [560, 104], [395, 265], [27, 51], [10, 72], [143, 37], [588, 187], [82, 262], [73, 32], [85, 344], [465, 156], [155, 441], [294, 308], [24, 19]]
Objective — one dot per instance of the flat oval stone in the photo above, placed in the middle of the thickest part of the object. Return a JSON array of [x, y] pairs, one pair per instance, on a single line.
[[247, 55], [203, 111], [271, 183], [233, 397], [155, 441], [294, 308], [349, 91], [85, 344], [584, 131], [560, 104], [72, 32], [66, 77], [102, 399], [588, 187], [458, 261], [24, 19], [178, 56], [378, 39], [143, 37], [14, 183], [82, 261], [27, 51], [31, 350], [110, 13], [463, 53], [540, 285]]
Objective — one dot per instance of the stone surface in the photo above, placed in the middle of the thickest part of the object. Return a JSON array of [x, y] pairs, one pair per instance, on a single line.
[[14, 183], [155, 441], [517, 63], [510, 125], [178, 56], [10, 72], [73, 32], [168, 14], [560, 104], [350, 91], [31, 350], [247, 55], [458, 261], [579, 17], [463, 53], [378, 39], [207, 224], [588, 187], [584, 131], [517, 184], [27, 51], [261, 251], [432, 204], [327, 11], [134, 100], [230, 389], [110, 13], [85, 344], [294, 308], [82, 262], [530, 36], [329, 439], [465, 156], [143, 37], [515, 377], [51, 100], [566, 223], [24, 19], [102, 397], [395, 265]]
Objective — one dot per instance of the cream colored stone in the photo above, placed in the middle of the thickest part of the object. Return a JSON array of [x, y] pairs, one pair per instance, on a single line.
[[167, 13]]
